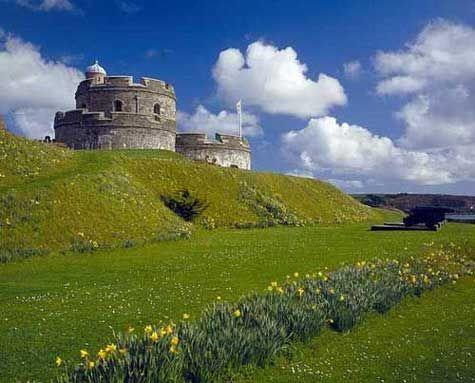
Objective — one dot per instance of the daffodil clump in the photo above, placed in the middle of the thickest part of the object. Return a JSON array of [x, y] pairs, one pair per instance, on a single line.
[[252, 331]]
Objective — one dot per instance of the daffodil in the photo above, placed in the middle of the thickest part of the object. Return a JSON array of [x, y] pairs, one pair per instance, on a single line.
[[280, 290], [84, 354], [102, 354], [237, 313], [169, 329], [173, 349], [273, 284], [58, 361], [300, 291], [342, 298], [186, 316], [148, 329], [218, 298], [122, 351], [111, 348], [130, 329], [175, 341], [90, 364], [296, 274], [154, 337]]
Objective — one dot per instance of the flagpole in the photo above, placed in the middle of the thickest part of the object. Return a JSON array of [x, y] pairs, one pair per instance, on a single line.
[[239, 107]]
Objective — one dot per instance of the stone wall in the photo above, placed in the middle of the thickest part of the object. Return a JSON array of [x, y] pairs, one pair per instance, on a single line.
[[94, 130], [135, 97], [225, 150]]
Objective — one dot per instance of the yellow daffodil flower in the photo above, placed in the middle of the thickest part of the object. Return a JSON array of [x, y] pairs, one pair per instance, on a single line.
[[58, 361], [237, 313], [111, 348], [84, 354], [154, 337]]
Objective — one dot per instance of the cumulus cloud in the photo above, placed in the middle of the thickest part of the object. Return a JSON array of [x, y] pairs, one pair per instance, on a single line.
[[33, 88], [352, 69], [344, 151], [436, 72], [224, 122], [275, 81], [47, 5]]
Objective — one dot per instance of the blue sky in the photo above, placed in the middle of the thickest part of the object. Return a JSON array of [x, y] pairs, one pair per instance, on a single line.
[[180, 42]]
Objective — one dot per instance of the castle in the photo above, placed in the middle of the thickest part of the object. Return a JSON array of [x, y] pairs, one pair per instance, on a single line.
[[113, 112]]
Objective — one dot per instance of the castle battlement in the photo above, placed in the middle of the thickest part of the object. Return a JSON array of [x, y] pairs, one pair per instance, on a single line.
[[127, 82], [191, 139], [225, 150]]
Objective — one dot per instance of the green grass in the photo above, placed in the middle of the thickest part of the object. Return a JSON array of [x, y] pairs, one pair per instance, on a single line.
[[58, 304], [429, 339], [52, 197]]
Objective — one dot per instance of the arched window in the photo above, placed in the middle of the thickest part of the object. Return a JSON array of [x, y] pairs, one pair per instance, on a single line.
[[156, 109], [118, 106]]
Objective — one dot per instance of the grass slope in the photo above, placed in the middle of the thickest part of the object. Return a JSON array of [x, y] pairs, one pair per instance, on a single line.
[[56, 305], [51, 198]]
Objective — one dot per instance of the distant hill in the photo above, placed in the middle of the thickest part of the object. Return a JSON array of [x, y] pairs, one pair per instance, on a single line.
[[53, 198], [405, 201]]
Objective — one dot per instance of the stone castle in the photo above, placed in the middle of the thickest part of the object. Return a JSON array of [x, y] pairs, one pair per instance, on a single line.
[[114, 112]]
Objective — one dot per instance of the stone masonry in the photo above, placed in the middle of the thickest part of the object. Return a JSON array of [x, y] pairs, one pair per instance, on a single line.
[[113, 112]]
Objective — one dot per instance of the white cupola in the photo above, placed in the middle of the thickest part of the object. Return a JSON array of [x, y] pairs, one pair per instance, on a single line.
[[95, 70]]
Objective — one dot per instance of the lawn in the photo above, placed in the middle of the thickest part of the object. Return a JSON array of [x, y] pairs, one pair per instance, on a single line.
[[429, 339], [57, 304]]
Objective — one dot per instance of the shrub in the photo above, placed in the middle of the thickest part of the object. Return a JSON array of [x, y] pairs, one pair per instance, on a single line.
[[185, 204]]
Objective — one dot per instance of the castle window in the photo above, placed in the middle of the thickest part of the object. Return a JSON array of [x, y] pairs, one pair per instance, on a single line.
[[156, 109], [118, 106]]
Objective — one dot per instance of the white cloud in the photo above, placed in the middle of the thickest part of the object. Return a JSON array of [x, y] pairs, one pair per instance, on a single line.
[[343, 151], [32, 88], [274, 80], [436, 70], [352, 69], [47, 5], [224, 122]]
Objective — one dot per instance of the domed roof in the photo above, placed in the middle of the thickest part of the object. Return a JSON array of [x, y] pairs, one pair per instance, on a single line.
[[96, 68]]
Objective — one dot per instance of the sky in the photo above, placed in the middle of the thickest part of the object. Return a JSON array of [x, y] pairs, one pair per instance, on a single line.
[[373, 96]]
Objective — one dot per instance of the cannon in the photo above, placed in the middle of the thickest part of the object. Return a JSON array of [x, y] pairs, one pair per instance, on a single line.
[[431, 216]]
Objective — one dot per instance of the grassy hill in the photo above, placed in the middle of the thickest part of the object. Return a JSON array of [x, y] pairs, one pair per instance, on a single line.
[[52, 198]]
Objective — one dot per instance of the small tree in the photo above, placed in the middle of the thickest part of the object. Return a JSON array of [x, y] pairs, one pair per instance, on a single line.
[[185, 205]]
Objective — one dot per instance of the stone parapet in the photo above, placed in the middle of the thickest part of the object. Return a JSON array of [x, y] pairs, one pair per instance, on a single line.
[[224, 150]]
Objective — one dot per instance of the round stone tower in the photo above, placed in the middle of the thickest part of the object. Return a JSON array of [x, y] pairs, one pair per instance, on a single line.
[[114, 112]]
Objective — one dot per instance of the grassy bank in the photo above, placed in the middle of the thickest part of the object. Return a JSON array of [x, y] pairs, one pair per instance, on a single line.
[[56, 305], [55, 199]]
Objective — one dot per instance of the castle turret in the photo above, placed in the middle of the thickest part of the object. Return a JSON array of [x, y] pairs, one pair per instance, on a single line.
[[96, 72], [115, 112]]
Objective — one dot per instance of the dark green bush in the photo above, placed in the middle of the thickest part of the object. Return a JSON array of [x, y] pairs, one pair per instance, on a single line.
[[185, 204]]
